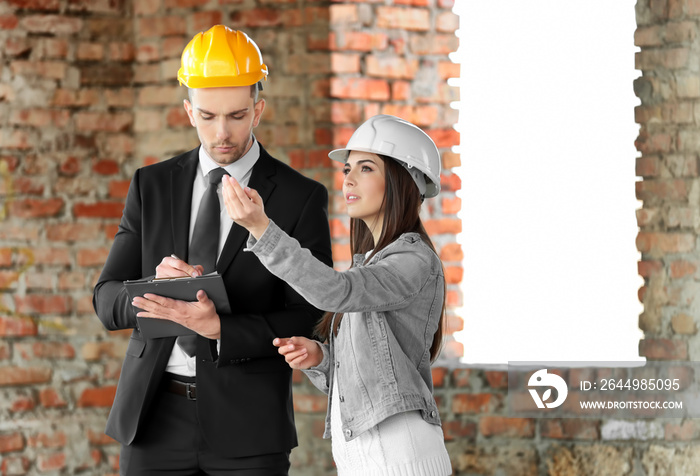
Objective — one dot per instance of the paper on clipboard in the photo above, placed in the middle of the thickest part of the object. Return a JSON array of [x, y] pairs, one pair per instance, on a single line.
[[184, 289]]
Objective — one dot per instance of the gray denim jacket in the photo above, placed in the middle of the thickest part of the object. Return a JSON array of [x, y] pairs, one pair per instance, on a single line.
[[392, 307]]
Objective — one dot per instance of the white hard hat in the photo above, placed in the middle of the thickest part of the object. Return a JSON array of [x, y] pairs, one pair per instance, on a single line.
[[402, 141]]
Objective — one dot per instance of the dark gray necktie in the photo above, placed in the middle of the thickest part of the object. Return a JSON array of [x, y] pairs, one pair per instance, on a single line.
[[204, 246]]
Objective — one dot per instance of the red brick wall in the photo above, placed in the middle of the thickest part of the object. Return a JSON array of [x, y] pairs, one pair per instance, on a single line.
[[87, 95], [668, 142]]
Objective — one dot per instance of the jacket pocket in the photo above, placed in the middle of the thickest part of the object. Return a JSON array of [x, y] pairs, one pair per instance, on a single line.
[[384, 359], [135, 348]]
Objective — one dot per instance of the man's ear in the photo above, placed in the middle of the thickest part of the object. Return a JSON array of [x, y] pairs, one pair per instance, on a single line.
[[259, 108], [190, 111]]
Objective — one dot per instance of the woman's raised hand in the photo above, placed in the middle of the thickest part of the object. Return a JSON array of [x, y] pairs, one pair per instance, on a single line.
[[299, 352], [245, 207]]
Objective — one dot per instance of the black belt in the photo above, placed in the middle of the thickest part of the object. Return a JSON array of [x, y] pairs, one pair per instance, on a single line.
[[184, 389]]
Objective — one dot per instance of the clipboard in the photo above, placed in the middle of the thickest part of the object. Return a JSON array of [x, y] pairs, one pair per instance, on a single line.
[[184, 289]]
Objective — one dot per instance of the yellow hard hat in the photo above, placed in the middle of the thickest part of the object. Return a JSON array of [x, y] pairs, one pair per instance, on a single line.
[[219, 58]]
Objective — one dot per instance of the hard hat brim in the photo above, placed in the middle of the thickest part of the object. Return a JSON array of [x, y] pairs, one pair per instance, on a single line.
[[197, 82], [341, 155]]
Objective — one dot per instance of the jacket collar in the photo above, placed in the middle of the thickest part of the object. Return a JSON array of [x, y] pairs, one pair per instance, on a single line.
[[182, 178]]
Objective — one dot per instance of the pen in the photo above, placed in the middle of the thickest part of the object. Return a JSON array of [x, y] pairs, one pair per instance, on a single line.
[[175, 256]]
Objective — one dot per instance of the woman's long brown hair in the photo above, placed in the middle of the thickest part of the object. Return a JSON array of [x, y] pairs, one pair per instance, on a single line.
[[401, 206]]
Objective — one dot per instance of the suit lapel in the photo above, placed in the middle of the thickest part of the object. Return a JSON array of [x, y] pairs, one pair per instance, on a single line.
[[181, 182], [260, 180]]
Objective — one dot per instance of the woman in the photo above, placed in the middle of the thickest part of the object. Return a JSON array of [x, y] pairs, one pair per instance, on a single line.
[[385, 324]]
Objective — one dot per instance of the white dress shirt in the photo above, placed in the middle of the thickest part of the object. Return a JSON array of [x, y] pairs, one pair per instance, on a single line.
[[180, 363]]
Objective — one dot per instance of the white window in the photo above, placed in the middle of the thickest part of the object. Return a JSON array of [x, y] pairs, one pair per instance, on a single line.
[[548, 171]]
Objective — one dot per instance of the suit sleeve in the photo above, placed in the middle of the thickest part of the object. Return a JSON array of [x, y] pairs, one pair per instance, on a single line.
[[249, 336], [110, 300]]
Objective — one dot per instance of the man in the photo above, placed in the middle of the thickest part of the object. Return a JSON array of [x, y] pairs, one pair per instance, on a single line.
[[225, 405]]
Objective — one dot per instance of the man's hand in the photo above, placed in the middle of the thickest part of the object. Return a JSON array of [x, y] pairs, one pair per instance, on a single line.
[[200, 316], [173, 267], [299, 352]]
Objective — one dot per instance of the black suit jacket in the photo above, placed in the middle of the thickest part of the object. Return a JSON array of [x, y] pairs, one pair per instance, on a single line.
[[244, 394]]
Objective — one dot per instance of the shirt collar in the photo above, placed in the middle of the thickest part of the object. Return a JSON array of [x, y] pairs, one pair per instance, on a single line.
[[238, 169]]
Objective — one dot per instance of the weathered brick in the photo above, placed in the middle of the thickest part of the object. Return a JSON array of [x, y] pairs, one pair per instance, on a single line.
[[203, 20], [90, 52], [106, 167], [478, 403], [58, 439], [684, 324], [343, 63], [73, 232], [438, 375], [156, 27], [457, 430], [121, 51], [433, 44], [460, 377], [109, 122], [513, 459], [159, 96], [648, 268], [17, 326], [22, 403], [658, 243], [92, 257], [11, 442], [45, 350], [43, 304], [683, 431], [341, 252], [51, 461], [120, 98], [360, 88], [569, 429], [98, 210], [98, 438], [443, 226], [83, 97], [118, 188], [392, 67], [258, 18], [24, 375], [9, 22], [358, 41], [106, 75], [496, 379], [411, 19], [669, 58], [663, 349], [36, 208], [649, 36], [444, 137], [343, 14], [52, 24], [97, 397], [491, 425], [446, 22]]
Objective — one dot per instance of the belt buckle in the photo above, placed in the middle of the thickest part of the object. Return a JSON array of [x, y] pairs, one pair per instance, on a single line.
[[191, 391]]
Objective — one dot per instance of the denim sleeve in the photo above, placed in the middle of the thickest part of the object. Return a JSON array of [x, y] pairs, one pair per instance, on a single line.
[[387, 284], [320, 375]]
